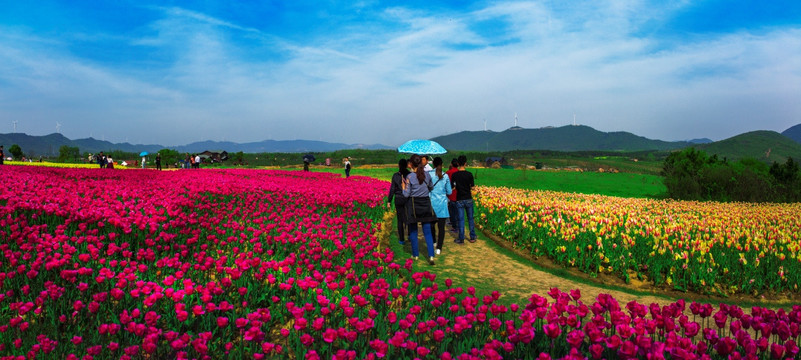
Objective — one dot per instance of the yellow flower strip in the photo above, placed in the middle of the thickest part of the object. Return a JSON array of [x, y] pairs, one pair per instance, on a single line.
[[700, 246]]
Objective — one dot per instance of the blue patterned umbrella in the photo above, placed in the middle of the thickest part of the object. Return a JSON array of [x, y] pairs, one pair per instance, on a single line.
[[421, 147], [144, 153]]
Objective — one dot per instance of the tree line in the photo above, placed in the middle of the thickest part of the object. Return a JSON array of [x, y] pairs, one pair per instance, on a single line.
[[693, 175]]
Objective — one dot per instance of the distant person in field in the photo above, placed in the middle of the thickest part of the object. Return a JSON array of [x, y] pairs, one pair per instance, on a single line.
[[190, 161], [426, 166], [439, 202], [418, 206], [347, 167], [305, 164], [197, 161], [396, 193], [144, 161], [2, 155], [452, 210], [463, 183], [101, 160], [109, 163], [158, 161]]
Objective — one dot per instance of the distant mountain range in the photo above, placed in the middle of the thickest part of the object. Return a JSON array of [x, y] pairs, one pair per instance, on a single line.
[[48, 145], [765, 145], [793, 133]]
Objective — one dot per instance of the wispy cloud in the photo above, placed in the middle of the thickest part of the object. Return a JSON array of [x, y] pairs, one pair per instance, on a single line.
[[412, 72]]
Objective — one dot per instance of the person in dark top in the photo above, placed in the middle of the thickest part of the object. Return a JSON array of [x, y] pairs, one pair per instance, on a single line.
[[452, 211], [463, 183], [158, 161], [418, 207], [396, 192], [101, 160], [2, 155]]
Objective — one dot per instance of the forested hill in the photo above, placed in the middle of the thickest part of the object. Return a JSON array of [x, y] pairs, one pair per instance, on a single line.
[[565, 138], [768, 146]]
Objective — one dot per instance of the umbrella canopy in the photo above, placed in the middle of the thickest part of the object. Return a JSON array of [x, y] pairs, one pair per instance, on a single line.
[[421, 147], [308, 158], [144, 153]]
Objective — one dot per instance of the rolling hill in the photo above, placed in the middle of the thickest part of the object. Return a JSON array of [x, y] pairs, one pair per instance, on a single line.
[[768, 146], [793, 133], [565, 138]]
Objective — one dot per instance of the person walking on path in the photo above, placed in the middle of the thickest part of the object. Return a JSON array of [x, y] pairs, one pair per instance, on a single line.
[[396, 192], [347, 167], [418, 207], [454, 213], [463, 183], [158, 161], [439, 202]]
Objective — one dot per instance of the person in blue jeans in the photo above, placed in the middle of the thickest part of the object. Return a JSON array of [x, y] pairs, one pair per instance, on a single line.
[[463, 183], [418, 206]]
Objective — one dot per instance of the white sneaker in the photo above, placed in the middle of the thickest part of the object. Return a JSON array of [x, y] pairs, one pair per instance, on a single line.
[[431, 260], [414, 257], [437, 251]]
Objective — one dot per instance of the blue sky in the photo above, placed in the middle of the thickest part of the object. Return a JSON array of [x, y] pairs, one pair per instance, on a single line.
[[368, 72]]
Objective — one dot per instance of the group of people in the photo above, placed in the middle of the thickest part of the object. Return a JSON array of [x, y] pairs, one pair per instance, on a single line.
[[429, 196], [191, 162], [105, 162]]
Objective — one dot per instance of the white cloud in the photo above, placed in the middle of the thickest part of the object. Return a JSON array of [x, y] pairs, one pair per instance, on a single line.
[[418, 74]]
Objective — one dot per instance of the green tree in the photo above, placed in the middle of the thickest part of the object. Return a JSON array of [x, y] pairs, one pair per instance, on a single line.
[[169, 157], [68, 153], [16, 151], [238, 158]]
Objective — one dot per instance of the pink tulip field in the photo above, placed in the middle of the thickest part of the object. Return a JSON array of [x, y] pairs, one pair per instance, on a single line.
[[255, 264]]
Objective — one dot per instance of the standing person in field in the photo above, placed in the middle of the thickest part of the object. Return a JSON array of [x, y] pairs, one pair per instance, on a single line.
[[190, 161], [2, 155], [463, 183], [101, 160], [347, 167], [158, 161], [144, 161], [418, 206], [452, 210], [109, 163], [396, 192], [426, 166], [197, 161], [439, 201]]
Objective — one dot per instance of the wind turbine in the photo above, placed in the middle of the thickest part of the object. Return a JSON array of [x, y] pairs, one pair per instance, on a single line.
[[15, 125], [515, 119], [485, 124], [58, 127], [574, 119]]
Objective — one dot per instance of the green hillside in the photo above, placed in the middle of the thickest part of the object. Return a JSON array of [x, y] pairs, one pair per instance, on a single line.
[[565, 138], [768, 146]]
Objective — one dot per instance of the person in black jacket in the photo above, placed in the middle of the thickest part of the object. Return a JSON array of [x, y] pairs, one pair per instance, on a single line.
[[396, 192]]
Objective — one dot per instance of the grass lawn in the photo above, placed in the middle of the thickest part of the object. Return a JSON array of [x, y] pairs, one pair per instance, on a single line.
[[614, 184]]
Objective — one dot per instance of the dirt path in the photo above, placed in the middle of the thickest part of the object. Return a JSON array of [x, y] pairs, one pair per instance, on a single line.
[[481, 265], [480, 262]]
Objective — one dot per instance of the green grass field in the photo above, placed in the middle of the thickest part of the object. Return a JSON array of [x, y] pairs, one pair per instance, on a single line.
[[613, 184]]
